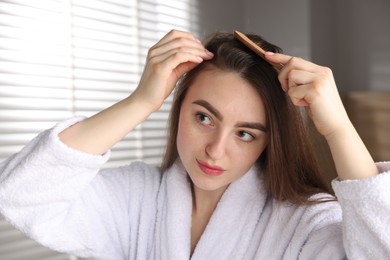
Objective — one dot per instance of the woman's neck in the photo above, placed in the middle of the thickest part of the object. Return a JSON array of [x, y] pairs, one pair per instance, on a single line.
[[204, 201], [203, 206]]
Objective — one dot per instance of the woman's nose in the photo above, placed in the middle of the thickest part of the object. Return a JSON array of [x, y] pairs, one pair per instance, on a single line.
[[216, 147]]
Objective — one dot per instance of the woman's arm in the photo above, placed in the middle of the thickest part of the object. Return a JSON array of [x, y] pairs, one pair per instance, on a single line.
[[54, 193], [313, 86], [350, 155], [175, 54], [365, 201]]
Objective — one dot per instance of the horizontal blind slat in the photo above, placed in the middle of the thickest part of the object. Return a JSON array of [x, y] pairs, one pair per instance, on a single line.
[[120, 8], [49, 11], [88, 84]]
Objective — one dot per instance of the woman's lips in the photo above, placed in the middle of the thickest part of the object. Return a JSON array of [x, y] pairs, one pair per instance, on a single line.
[[211, 170]]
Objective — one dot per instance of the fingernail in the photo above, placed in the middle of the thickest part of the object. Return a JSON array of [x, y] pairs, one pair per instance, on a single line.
[[269, 53], [198, 40]]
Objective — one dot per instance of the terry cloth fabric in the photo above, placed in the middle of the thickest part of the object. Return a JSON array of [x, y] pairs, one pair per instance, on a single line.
[[366, 204], [63, 199]]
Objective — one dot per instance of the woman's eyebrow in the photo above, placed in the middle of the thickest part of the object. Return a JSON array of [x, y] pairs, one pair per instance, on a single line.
[[209, 107], [257, 126], [218, 115]]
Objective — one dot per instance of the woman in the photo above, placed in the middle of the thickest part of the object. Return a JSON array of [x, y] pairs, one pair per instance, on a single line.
[[238, 181]]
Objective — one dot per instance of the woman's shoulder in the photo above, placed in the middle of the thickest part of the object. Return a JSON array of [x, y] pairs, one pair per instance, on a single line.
[[141, 167], [136, 175], [143, 171], [322, 209], [325, 206]]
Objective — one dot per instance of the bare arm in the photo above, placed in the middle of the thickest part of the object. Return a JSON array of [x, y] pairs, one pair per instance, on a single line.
[[175, 54], [100, 132], [313, 86], [350, 155]]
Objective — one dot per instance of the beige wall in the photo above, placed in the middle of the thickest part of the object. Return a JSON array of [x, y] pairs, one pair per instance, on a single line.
[[353, 37], [350, 36], [285, 23], [216, 15]]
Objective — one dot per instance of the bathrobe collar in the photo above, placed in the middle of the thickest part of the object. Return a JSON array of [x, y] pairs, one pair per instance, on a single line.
[[230, 229]]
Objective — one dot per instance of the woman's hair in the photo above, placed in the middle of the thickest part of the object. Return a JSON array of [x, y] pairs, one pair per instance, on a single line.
[[291, 172]]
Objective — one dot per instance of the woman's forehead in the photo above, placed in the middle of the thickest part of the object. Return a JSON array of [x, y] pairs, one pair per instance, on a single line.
[[223, 84], [227, 91]]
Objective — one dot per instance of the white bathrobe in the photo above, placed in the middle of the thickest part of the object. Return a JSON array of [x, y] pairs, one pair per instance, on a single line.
[[61, 198]]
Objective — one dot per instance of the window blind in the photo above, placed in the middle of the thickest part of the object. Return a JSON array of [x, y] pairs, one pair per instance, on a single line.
[[60, 58]]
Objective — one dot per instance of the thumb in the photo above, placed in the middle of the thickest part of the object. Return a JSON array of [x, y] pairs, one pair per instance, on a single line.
[[277, 58], [183, 68]]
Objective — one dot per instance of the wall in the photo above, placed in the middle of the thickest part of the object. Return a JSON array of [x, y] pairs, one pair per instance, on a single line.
[[226, 15], [350, 36], [353, 37], [284, 23]]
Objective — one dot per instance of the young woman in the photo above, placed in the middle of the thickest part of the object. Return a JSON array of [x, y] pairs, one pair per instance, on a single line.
[[239, 179]]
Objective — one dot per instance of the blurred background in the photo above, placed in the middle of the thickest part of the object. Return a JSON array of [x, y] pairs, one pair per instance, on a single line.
[[60, 58]]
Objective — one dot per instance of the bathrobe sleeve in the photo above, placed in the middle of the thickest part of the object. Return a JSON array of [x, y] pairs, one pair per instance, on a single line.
[[366, 215], [59, 197], [364, 230]]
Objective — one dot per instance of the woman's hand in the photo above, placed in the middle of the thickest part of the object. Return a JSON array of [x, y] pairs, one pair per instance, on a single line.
[[175, 54], [313, 86]]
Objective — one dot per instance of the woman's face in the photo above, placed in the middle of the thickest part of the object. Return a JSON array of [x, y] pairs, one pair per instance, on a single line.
[[221, 129]]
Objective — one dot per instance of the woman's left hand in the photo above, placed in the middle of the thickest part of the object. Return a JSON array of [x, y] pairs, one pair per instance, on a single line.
[[312, 86]]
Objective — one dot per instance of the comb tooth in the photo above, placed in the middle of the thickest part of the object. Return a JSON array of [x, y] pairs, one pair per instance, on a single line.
[[254, 47]]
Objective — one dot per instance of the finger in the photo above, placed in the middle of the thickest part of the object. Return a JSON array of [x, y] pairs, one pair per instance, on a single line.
[[180, 64], [301, 95], [184, 68], [180, 45], [173, 34], [301, 87], [195, 52], [291, 63], [277, 57], [283, 59], [171, 63], [300, 77], [291, 68]]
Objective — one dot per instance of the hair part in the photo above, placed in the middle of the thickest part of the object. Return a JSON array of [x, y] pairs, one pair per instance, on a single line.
[[291, 171]]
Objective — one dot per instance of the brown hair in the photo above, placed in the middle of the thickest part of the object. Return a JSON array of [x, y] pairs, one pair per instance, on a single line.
[[291, 171]]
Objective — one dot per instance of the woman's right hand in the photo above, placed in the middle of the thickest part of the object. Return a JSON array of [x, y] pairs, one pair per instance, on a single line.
[[175, 54]]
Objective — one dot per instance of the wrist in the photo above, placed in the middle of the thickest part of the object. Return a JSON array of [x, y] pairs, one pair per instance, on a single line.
[[136, 103], [149, 103], [346, 130]]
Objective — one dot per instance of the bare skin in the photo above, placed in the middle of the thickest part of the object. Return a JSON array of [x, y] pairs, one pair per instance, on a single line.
[[307, 85], [201, 214]]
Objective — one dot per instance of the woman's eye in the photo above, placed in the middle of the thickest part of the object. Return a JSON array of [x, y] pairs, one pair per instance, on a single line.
[[203, 119], [245, 136]]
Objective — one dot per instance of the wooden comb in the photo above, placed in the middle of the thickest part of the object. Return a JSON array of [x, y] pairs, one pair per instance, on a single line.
[[256, 48]]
